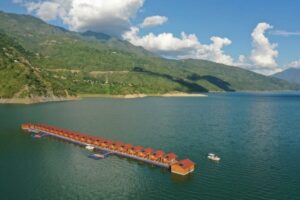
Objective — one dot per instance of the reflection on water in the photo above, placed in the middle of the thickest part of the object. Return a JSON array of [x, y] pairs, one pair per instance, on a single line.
[[176, 178]]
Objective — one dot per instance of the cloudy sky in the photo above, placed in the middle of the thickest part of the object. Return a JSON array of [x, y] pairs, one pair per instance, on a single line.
[[262, 36]]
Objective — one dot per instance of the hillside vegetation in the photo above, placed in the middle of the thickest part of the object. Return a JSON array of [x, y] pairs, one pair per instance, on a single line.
[[18, 78], [54, 60]]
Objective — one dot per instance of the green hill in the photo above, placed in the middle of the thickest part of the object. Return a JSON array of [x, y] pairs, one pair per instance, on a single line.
[[18, 77], [96, 63]]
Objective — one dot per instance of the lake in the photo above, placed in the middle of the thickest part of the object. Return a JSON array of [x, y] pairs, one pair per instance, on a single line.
[[257, 136]]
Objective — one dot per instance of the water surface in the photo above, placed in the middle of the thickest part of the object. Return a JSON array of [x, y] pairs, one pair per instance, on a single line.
[[257, 136]]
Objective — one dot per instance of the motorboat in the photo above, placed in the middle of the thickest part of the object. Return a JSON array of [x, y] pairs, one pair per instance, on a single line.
[[96, 156], [89, 147], [213, 157]]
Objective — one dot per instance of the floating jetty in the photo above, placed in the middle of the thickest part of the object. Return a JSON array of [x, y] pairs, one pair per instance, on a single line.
[[148, 155], [98, 156]]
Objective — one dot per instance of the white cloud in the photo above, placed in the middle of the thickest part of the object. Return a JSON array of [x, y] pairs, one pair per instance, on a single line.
[[285, 33], [111, 17], [154, 21], [263, 55], [30, 6], [47, 10], [186, 46], [242, 59], [163, 43], [294, 64], [214, 51]]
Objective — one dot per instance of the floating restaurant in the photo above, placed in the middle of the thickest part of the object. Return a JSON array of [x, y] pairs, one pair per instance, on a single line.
[[148, 155]]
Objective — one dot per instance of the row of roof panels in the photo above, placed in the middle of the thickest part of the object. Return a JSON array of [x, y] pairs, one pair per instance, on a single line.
[[158, 153]]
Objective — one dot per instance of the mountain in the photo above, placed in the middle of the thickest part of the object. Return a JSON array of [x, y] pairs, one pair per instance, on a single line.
[[292, 75], [19, 79], [95, 63]]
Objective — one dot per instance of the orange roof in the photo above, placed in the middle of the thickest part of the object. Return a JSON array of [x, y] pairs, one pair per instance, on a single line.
[[185, 163], [147, 150], [137, 148], [108, 141], [170, 156], [93, 138], [159, 153], [127, 146], [118, 144]]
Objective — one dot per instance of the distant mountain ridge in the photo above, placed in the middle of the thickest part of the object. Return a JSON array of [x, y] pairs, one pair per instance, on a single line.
[[95, 63], [98, 36], [292, 75]]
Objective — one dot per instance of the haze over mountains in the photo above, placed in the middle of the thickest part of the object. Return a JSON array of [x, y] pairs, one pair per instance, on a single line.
[[64, 63], [291, 74]]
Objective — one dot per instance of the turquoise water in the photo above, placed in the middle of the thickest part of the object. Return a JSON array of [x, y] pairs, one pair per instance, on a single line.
[[257, 135]]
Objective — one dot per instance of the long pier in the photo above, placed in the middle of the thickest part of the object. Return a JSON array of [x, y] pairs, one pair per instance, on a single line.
[[148, 155]]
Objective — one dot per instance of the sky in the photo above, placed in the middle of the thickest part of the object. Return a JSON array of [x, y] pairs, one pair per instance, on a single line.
[[258, 35]]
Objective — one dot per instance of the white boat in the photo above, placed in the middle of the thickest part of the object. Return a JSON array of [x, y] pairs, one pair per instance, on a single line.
[[213, 157], [89, 147]]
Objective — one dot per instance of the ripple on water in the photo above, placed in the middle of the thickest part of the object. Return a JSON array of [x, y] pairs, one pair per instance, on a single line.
[[256, 136]]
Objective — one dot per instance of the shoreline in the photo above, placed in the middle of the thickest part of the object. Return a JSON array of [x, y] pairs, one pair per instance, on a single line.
[[135, 96], [36, 100]]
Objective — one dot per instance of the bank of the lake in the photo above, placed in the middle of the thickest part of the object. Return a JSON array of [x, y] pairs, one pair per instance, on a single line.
[[142, 95], [35, 100]]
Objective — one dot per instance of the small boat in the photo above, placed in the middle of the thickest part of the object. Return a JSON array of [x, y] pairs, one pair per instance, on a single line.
[[37, 136], [213, 157], [89, 147], [96, 156]]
